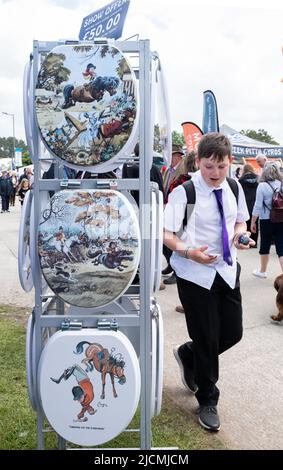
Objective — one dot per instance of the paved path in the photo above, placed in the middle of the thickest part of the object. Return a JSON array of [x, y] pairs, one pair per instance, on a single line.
[[251, 373]]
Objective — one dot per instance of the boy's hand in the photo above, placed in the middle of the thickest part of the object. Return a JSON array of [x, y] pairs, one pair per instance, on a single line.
[[242, 241], [198, 255]]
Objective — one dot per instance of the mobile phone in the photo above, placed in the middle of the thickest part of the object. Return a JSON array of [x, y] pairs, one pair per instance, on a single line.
[[214, 255]]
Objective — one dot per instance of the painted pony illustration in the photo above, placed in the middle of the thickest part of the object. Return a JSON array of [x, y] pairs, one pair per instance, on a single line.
[[63, 245], [83, 392], [89, 92], [113, 260], [99, 357]]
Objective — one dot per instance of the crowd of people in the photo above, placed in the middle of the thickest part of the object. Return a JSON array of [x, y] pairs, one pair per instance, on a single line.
[[11, 186]]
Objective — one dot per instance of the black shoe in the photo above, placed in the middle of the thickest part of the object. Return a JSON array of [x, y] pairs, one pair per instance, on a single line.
[[187, 373], [170, 280], [167, 270], [208, 418]]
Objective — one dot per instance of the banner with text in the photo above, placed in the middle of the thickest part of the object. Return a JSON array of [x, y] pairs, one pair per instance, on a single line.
[[242, 151], [192, 135], [210, 114], [107, 22]]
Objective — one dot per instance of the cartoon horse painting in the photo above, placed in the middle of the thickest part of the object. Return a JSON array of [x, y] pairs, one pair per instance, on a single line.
[[99, 357], [92, 91]]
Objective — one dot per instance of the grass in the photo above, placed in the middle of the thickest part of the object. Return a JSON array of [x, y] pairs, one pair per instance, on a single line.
[[172, 428]]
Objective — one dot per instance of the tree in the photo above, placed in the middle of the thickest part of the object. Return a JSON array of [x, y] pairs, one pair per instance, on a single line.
[[26, 160], [52, 72], [261, 135], [7, 146], [178, 138]]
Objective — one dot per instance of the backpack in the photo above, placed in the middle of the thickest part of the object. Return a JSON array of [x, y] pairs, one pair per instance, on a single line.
[[191, 196], [276, 211]]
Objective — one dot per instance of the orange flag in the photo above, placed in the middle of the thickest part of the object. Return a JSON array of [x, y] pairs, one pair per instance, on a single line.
[[192, 135]]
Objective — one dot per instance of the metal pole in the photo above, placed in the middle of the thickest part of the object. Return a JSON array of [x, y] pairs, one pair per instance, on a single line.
[[13, 157]]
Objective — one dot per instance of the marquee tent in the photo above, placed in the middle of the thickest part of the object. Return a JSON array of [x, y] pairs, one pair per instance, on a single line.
[[243, 146]]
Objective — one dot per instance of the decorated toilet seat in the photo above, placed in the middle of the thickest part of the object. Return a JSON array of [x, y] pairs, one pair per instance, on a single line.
[[157, 350], [152, 240], [30, 355], [27, 83], [24, 260], [87, 112], [76, 393], [44, 199], [158, 241], [90, 253], [163, 117]]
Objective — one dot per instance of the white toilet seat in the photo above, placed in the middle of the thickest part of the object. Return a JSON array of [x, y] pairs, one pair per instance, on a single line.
[[157, 351], [94, 420], [24, 261], [30, 354]]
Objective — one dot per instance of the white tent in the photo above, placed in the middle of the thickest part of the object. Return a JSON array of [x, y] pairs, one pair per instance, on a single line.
[[244, 146]]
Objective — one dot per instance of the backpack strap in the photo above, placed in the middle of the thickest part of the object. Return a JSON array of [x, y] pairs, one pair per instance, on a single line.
[[191, 200], [273, 189], [191, 196], [234, 187]]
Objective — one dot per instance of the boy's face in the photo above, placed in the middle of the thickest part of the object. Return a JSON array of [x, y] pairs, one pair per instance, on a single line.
[[214, 172]]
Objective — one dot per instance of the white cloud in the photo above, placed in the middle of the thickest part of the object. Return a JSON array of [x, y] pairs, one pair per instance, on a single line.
[[232, 47]]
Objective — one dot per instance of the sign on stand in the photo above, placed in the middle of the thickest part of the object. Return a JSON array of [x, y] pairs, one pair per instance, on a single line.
[[107, 22], [18, 157]]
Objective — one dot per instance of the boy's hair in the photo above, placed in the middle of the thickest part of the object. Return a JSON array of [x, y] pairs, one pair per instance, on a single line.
[[216, 145]]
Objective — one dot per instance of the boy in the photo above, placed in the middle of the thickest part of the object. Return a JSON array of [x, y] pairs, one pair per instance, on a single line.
[[204, 259]]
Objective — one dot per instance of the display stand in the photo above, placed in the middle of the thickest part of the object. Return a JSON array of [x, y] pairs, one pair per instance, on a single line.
[[131, 313]]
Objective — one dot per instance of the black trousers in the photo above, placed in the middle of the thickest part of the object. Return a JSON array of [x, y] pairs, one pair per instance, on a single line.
[[5, 202], [167, 253], [214, 323]]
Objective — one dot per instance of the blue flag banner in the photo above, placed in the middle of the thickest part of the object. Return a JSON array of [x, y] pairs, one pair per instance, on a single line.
[[210, 113], [107, 22]]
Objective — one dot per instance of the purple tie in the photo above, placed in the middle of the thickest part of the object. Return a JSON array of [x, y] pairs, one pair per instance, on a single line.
[[225, 241]]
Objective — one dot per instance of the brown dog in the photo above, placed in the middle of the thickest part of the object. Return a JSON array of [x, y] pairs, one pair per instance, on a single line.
[[278, 285]]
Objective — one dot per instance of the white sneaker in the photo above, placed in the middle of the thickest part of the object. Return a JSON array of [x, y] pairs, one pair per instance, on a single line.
[[258, 273]]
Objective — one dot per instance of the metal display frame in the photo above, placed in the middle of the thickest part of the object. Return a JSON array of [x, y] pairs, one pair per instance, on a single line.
[[123, 310]]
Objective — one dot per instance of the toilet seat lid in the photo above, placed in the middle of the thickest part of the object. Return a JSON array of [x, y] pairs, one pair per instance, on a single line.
[[30, 355], [24, 261], [157, 345], [90, 254], [87, 109], [70, 384]]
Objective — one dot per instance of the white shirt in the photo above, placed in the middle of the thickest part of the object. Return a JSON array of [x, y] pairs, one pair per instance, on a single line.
[[204, 228]]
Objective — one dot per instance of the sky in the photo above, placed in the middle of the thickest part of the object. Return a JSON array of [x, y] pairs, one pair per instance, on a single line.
[[232, 47]]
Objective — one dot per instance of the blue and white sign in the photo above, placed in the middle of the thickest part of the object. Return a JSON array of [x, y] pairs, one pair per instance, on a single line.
[[242, 151], [18, 157], [107, 22]]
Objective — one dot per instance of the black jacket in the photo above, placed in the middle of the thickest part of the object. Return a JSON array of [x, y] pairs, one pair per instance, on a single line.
[[249, 183], [6, 186], [131, 170]]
